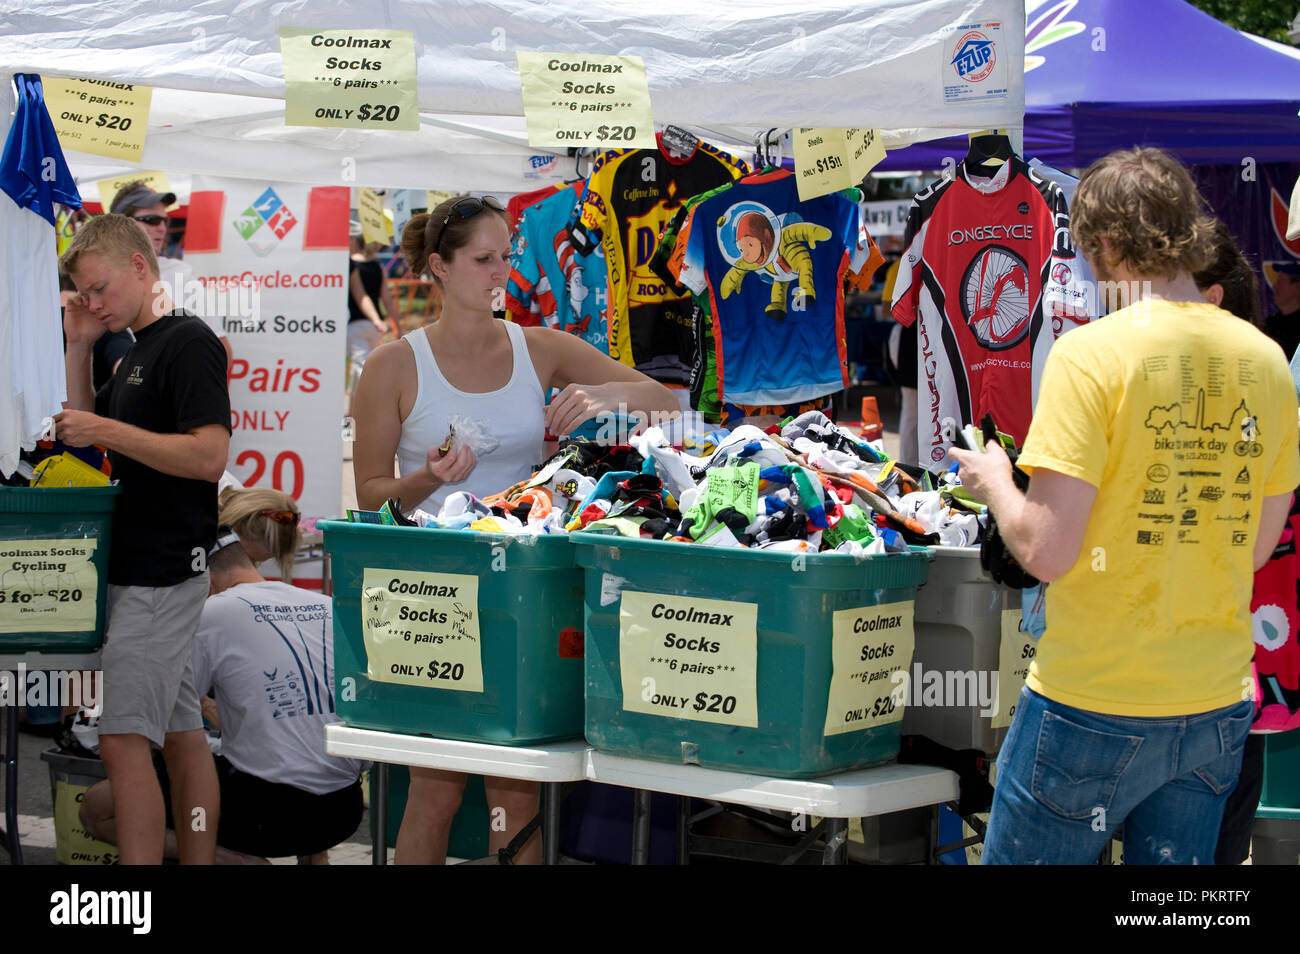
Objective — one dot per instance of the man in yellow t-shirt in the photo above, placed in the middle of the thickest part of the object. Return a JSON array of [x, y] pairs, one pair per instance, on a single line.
[[1163, 455]]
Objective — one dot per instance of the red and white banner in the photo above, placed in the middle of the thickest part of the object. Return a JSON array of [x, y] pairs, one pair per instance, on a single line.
[[270, 260]]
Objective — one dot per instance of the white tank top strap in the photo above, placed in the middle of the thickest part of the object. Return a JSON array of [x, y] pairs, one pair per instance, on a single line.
[[524, 374], [426, 367]]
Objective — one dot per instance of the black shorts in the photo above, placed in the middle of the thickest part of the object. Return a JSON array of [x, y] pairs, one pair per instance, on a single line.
[[274, 820], [1239, 813]]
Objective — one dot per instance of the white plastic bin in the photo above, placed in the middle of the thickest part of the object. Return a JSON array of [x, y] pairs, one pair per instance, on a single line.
[[959, 617]]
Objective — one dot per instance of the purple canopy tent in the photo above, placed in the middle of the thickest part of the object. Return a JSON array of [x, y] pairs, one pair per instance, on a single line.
[[1102, 75]]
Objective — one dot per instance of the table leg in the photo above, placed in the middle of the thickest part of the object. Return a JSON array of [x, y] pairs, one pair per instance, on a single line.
[[640, 827], [683, 830], [379, 809], [837, 839], [932, 841], [551, 823], [15, 849]]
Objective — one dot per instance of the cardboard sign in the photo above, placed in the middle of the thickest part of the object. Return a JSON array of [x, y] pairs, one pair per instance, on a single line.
[[820, 162]]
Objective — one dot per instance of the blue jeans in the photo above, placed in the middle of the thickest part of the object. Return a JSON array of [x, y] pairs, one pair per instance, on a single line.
[[1068, 778]]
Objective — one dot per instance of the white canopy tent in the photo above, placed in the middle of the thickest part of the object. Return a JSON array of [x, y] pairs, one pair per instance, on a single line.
[[729, 71]]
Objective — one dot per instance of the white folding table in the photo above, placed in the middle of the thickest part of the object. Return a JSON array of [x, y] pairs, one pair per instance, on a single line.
[[837, 798], [552, 764]]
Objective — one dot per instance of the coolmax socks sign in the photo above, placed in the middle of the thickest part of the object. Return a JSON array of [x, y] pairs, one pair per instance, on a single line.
[[685, 657], [870, 646], [101, 118], [1016, 652], [271, 262], [48, 586], [361, 79], [584, 99], [422, 629]]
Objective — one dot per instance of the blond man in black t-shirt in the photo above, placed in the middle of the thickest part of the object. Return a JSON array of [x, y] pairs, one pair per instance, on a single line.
[[165, 418]]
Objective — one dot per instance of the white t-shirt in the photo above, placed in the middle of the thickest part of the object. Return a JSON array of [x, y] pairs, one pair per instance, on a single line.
[[268, 649]]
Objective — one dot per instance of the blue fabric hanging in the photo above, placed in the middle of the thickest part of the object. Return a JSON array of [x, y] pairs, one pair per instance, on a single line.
[[33, 171]]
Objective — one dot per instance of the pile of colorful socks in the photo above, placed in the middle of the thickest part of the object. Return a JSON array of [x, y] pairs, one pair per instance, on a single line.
[[805, 486]]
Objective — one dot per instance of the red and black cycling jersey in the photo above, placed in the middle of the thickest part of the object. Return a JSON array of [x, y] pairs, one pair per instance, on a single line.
[[984, 276]]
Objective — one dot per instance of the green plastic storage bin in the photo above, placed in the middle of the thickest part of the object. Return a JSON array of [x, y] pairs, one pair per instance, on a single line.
[[526, 632], [30, 579], [797, 599], [1275, 834], [1280, 795]]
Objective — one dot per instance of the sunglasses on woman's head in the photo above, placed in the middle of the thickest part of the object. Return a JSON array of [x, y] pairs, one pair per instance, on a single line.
[[150, 219], [287, 517], [463, 209]]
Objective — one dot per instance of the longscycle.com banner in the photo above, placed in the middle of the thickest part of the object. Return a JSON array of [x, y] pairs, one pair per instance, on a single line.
[[270, 260]]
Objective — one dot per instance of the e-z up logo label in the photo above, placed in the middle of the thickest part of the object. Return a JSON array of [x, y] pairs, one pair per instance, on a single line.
[[975, 56]]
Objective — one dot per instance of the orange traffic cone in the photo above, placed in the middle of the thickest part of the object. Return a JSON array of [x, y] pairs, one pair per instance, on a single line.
[[871, 428]]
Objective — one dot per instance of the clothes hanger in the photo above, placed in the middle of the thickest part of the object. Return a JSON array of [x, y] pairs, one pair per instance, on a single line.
[[576, 153], [989, 150], [763, 148]]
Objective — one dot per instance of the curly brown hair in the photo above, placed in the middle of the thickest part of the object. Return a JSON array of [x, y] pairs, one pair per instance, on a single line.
[[1146, 206]]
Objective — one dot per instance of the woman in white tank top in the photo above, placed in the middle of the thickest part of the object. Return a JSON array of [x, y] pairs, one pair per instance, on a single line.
[[460, 404]]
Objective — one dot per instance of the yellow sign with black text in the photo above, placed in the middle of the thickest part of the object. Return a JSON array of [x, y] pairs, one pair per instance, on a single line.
[[350, 78], [374, 224], [689, 658], [586, 99], [865, 151], [870, 647], [48, 586], [101, 118], [1015, 653], [820, 162], [830, 160], [73, 844], [422, 629]]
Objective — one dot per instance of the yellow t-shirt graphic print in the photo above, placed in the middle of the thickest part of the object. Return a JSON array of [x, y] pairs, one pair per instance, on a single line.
[[1184, 418]]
